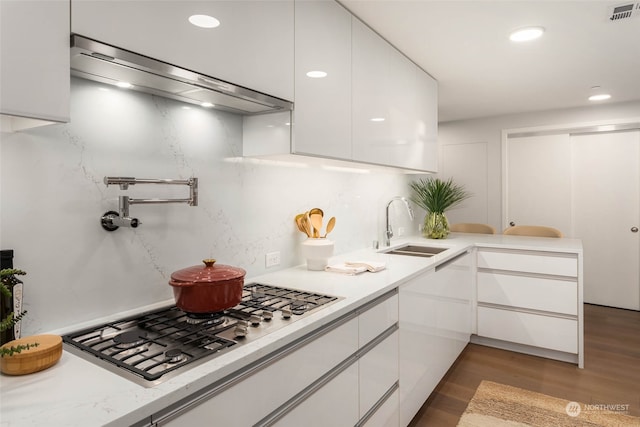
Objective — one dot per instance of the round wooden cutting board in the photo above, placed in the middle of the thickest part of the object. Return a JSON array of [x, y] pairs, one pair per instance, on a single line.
[[35, 359]]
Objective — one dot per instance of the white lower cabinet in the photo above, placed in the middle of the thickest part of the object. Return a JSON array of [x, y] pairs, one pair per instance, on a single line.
[[388, 414], [533, 299], [330, 377], [435, 326], [335, 404], [544, 331], [283, 379], [535, 293], [378, 372]]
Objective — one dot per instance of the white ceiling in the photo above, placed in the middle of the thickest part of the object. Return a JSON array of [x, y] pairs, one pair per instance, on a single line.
[[465, 46]]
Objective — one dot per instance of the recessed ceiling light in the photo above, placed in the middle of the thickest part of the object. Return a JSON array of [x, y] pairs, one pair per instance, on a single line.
[[207, 104], [124, 85], [377, 119], [526, 34], [204, 21], [599, 97], [316, 74], [598, 94]]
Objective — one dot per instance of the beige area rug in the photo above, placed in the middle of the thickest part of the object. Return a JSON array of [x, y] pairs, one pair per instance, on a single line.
[[498, 405]]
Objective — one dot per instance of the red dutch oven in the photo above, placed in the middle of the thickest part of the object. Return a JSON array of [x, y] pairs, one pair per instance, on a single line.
[[207, 288]]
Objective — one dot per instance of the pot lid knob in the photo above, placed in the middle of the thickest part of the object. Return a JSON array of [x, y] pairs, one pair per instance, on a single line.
[[209, 262]]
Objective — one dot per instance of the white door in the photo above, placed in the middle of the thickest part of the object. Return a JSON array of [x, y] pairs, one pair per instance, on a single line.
[[538, 181], [467, 164], [606, 205]]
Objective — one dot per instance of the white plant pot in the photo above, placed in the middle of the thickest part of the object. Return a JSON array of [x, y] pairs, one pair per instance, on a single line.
[[317, 252]]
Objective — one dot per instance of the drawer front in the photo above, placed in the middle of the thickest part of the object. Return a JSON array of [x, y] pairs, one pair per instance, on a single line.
[[531, 329], [283, 379], [560, 296], [387, 415], [378, 372], [335, 404], [529, 262], [377, 319]]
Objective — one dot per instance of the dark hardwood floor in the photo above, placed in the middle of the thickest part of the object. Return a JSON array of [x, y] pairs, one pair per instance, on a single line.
[[611, 373]]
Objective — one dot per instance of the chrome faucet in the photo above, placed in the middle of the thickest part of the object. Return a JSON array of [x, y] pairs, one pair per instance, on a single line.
[[388, 234]]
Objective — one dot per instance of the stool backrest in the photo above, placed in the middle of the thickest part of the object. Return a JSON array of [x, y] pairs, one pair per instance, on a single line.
[[532, 230]]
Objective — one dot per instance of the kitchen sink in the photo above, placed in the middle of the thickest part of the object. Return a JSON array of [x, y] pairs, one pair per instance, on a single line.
[[416, 250]]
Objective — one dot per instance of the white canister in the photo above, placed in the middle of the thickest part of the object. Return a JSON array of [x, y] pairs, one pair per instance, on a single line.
[[317, 252]]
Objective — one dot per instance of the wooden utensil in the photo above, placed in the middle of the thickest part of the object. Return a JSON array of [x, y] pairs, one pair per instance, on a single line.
[[316, 221], [330, 225], [307, 226], [309, 223], [35, 359], [298, 220], [316, 211]]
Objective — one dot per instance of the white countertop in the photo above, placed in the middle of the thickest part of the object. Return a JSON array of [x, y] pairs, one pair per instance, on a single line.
[[76, 392]]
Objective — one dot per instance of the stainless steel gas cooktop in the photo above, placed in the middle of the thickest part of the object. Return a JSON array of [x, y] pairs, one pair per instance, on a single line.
[[153, 346]]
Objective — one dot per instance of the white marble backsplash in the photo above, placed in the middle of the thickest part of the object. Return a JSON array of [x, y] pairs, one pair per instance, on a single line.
[[53, 195]]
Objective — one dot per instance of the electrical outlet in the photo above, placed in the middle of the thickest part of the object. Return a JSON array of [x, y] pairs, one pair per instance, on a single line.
[[272, 259], [400, 231]]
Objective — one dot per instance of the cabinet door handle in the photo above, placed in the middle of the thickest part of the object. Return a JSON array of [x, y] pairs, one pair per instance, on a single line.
[[451, 260], [512, 223], [634, 229]]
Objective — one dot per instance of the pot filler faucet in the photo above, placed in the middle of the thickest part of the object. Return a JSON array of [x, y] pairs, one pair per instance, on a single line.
[[112, 220], [388, 234]]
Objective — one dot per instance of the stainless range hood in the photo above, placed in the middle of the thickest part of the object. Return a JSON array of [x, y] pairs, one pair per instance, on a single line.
[[108, 64]]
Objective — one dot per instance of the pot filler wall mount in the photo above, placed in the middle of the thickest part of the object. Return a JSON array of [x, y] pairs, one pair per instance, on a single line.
[[113, 220]]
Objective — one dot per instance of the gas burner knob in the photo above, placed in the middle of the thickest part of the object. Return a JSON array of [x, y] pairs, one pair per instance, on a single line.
[[255, 320], [240, 331], [267, 315], [286, 313]]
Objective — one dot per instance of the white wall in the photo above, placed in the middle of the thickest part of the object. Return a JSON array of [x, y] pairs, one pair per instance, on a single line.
[[471, 137], [52, 198]]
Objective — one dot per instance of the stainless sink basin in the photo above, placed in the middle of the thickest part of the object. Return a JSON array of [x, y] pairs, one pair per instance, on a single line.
[[416, 250]]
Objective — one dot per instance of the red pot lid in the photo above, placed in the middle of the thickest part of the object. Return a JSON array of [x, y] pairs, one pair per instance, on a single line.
[[207, 273]]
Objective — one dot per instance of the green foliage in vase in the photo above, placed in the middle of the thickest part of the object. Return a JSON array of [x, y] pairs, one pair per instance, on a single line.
[[435, 195], [8, 322]]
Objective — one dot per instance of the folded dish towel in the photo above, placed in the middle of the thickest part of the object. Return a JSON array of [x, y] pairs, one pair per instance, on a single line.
[[356, 267], [372, 266]]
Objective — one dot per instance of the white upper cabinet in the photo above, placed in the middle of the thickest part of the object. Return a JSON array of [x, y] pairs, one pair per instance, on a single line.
[[322, 115], [394, 106], [372, 105], [34, 70], [252, 46], [425, 122]]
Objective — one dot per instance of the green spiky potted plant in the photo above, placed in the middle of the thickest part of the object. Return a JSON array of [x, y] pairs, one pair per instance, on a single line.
[[11, 319], [436, 196]]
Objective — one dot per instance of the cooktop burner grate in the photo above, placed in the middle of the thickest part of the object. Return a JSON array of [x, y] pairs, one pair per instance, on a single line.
[[154, 344]]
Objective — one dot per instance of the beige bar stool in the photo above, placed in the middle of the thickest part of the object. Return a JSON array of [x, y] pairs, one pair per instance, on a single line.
[[472, 227], [532, 230]]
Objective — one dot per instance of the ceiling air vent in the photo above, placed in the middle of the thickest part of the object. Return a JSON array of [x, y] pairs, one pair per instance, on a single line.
[[624, 11]]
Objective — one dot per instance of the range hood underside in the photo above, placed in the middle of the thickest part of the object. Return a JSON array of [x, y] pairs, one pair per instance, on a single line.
[[107, 64]]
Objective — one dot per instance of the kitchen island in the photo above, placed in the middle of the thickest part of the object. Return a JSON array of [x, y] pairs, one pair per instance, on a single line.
[[79, 392]]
